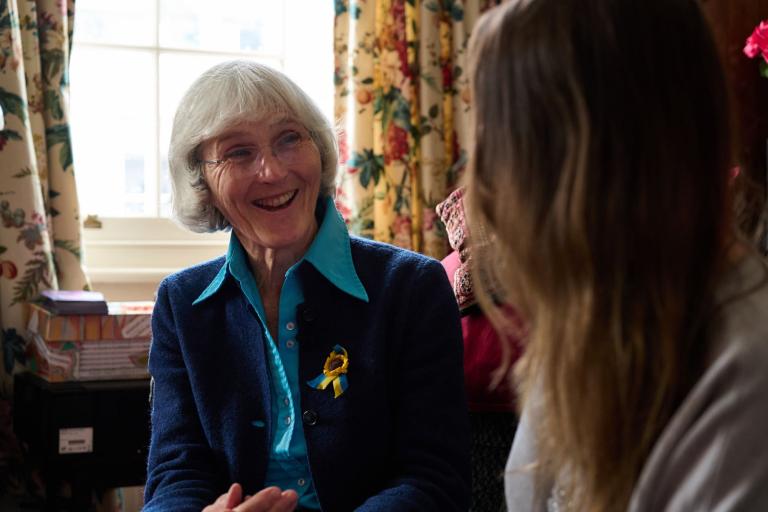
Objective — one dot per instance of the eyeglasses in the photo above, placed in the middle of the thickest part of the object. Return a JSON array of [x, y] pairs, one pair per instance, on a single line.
[[289, 148]]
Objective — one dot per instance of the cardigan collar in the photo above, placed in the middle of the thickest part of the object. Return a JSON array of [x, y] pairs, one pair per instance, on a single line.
[[330, 253]]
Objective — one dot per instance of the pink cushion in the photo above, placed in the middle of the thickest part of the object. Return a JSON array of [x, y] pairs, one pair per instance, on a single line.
[[482, 356]]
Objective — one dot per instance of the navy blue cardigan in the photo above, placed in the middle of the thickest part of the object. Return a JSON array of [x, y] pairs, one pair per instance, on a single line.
[[397, 439]]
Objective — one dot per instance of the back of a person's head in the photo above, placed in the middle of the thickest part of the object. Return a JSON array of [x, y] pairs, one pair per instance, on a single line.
[[598, 107], [600, 169]]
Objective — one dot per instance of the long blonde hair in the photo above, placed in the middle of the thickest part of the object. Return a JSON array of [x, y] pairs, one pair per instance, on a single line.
[[600, 175]]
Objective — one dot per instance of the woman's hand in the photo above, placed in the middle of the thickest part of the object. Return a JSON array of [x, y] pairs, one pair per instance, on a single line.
[[270, 499], [228, 500]]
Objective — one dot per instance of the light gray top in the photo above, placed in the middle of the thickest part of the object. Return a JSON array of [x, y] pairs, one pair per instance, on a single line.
[[713, 454]]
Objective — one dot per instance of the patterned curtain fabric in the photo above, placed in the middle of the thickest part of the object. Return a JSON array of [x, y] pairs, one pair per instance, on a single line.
[[403, 100], [40, 231]]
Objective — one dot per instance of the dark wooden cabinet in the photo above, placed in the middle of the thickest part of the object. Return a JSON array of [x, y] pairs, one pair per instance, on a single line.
[[94, 435]]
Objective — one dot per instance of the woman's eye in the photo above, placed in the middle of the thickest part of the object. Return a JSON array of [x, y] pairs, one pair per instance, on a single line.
[[289, 139], [239, 154]]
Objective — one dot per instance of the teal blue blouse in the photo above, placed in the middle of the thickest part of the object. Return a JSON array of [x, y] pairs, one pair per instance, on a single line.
[[330, 254]]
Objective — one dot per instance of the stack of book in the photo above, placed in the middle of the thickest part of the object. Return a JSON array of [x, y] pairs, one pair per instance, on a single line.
[[79, 336]]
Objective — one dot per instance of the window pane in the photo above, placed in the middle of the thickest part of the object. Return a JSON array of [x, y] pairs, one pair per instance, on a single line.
[[116, 22], [123, 100], [308, 50], [177, 72], [113, 130], [230, 26]]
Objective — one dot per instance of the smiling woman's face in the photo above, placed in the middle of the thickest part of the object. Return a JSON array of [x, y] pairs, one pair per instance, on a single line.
[[268, 183]]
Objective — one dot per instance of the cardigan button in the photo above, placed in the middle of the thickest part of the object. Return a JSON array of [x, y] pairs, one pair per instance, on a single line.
[[309, 417], [308, 315]]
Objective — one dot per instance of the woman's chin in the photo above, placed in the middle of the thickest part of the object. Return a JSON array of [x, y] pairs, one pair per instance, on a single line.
[[284, 237]]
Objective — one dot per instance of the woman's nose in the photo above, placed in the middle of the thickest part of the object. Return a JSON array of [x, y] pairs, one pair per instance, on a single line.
[[270, 168]]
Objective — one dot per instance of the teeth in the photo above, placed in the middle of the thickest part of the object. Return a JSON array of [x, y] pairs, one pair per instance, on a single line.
[[275, 202]]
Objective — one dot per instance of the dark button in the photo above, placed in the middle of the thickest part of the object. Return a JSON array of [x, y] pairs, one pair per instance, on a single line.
[[308, 315], [309, 417]]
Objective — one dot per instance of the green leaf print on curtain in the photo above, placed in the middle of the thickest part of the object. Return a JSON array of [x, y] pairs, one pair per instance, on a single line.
[[403, 101], [40, 228]]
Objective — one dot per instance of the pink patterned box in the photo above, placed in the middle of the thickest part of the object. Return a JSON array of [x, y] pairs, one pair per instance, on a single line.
[[126, 320]]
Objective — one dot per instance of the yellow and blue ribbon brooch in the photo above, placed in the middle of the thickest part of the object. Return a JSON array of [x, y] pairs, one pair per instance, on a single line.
[[334, 370]]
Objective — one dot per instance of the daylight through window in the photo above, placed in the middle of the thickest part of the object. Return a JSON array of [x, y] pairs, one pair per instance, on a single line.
[[132, 61]]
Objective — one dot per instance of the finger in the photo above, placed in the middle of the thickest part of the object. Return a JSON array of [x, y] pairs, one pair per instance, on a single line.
[[221, 499], [234, 495], [283, 502], [218, 504], [287, 502], [262, 501]]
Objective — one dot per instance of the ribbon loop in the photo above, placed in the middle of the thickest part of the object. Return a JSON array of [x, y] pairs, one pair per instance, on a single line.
[[334, 371]]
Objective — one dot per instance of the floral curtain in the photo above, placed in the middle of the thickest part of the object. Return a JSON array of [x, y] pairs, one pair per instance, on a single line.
[[40, 227], [403, 100]]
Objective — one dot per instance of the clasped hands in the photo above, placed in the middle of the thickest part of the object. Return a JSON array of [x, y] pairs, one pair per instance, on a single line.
[[271, 499]]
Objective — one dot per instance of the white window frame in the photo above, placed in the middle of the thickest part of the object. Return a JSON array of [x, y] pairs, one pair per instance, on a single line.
[[144, 249]]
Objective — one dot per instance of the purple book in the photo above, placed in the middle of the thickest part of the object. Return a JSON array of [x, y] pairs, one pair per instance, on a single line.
[[74, 302]]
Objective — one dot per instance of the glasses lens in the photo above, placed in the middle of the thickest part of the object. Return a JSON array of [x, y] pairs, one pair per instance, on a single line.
[[288, 149]]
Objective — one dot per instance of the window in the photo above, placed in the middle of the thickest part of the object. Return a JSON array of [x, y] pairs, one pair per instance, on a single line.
[[131, 62]]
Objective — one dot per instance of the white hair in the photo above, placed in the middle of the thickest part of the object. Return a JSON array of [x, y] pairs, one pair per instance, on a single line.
[[220, 98]]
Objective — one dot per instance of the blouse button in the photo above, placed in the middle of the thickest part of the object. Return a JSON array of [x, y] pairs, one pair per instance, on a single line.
[[287, 420], [290, 326], [290, 343], [301, 482]]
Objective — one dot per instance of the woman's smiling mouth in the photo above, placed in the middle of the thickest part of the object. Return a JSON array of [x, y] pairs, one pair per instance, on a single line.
[[275, 203]]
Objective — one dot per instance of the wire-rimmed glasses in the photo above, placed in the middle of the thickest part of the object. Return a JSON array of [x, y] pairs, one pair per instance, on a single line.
[[289, 148]]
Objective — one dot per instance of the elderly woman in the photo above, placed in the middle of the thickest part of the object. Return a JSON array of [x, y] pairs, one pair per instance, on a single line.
[[306, 368]]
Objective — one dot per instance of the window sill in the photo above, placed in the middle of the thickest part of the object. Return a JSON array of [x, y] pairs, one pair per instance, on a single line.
[[144, 250]]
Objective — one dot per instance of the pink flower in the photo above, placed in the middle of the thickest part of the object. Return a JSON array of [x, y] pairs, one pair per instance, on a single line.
[[401, 231], [341, 203], [757, 43], [344, 211], [428, 218], [343, 147], [447, 71], [396, 144]]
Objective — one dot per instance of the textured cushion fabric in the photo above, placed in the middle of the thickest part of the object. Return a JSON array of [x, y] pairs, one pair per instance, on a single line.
[[451, 212], [482, 357]]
